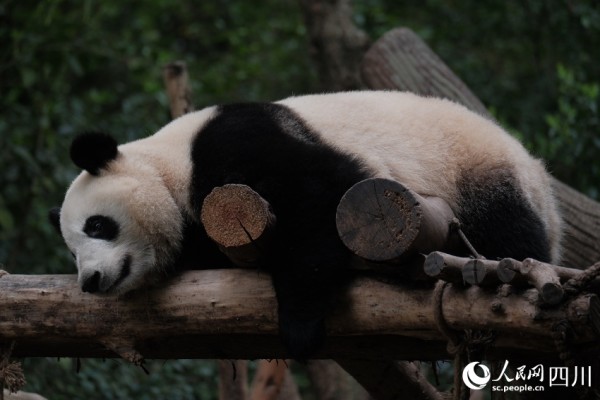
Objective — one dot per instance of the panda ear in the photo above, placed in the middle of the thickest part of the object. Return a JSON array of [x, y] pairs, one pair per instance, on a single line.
[[54, 218], [93, 151]]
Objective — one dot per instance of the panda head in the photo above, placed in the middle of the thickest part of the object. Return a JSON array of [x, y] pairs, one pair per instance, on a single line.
[[118, 218]]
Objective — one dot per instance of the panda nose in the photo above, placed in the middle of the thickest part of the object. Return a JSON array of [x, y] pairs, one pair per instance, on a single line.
[[91, 284]]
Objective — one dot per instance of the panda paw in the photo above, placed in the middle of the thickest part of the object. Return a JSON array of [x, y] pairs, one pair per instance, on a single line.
[[301, 338]]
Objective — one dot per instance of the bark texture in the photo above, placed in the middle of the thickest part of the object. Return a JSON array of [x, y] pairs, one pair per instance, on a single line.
[[231, 314]]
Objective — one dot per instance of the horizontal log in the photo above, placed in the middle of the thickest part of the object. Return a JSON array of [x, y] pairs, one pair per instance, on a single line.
[[542, 276], [449, 268], [444, 266], [546, 278], [508, 271], [232, 314], [481, 272]]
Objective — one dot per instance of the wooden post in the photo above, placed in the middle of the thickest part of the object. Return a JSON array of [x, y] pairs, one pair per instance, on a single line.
[[175, 77], [240, 221], [269, 380], [233, 379], [337, 44], [381, 220]]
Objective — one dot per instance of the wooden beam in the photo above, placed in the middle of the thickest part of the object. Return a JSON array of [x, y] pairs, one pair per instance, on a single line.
[[232, 314], [401, 60]]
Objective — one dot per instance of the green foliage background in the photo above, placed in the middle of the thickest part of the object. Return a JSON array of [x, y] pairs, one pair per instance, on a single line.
[[68, 66]]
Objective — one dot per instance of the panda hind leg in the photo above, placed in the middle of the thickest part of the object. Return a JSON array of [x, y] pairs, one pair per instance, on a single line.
[[497, 218]]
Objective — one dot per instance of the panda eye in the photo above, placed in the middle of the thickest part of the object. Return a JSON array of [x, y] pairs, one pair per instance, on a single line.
[[101, 227]]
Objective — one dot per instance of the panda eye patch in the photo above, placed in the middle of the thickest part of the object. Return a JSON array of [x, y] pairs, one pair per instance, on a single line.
[[101, 227]]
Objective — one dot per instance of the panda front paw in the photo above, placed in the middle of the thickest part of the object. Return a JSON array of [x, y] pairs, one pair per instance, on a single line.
[[301, 338]]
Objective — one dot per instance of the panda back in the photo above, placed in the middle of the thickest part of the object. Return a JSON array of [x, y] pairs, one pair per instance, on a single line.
[[434, 146]]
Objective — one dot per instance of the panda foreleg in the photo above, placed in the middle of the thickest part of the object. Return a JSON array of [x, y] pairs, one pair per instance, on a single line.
[[306, 284], [301, 314]]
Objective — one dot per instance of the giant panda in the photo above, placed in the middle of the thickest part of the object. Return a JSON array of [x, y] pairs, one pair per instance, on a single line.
[[135, 209]]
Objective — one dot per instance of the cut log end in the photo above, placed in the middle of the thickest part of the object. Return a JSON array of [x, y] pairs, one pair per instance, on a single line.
[[481, 272], [444, 266], [240, 221], [235, 215], [552, 293], [378, 219], [507, 269], [474, 272], [434, 264]]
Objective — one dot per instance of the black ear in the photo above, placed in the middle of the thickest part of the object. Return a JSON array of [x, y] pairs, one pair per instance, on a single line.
[[92, 151], [54, 218]]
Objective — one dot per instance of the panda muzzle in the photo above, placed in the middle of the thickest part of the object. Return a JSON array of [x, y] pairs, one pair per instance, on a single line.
[[97, 282]]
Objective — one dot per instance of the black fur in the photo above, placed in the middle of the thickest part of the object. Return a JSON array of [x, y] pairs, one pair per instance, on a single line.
[[267, 147], [198, 251], [497, 218], [93, 151], [101, 227]]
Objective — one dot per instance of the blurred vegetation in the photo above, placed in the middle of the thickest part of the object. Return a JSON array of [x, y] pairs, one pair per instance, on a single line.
[[68, 66]]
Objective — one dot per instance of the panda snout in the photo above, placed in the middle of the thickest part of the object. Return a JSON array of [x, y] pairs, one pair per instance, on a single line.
[[104, 282], [91, 283]]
